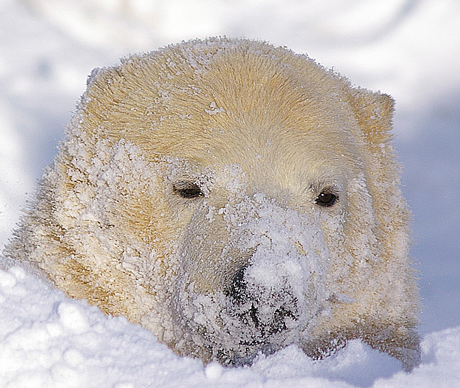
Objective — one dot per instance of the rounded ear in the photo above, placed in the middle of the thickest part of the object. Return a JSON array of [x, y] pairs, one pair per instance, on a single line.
[[103, 79], [374, 112], [95, 74], [105, 88]]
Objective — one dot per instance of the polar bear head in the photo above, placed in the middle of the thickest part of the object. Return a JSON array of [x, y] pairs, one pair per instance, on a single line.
[[233, 198]]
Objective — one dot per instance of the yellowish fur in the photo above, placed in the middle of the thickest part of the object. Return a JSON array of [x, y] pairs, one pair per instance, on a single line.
[[237, 117]]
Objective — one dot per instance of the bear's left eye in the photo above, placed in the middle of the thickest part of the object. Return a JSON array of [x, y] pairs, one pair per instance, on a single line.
[[187, 189], [326, 199]]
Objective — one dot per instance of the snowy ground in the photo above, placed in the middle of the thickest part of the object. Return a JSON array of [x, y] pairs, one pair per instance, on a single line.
[[410, 49], [50, 341]]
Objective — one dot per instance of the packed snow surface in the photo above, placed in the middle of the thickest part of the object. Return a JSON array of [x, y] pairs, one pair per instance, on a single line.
[[48, 340], [410, 49]]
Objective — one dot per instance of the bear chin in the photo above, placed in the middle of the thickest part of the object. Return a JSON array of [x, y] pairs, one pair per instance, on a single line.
[[233, 198]]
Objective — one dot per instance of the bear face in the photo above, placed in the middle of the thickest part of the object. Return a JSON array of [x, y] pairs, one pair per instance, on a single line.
[[233, 198]]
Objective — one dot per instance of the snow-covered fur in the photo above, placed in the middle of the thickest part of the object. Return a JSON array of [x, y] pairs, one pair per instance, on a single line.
[[233, 198]]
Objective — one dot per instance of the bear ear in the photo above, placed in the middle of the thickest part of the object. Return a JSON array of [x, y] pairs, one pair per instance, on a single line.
[[102, 77], [95, 74], [105, 87], [374, 112]]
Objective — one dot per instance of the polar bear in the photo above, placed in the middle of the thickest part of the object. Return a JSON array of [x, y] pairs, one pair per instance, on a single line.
[[234, 198]]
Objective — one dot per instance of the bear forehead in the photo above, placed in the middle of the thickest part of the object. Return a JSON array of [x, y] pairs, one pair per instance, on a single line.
[[224, 103]]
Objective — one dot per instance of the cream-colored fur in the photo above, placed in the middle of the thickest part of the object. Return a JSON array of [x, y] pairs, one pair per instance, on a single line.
[[185, 197]]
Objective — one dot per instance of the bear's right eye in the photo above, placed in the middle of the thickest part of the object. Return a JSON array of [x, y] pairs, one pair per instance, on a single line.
[[187, 189]]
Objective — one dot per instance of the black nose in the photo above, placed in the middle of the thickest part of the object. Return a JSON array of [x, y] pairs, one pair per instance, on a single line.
[[249, 299]]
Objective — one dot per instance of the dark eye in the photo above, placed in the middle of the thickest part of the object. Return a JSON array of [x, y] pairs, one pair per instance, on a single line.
[[326, 199], [187, 189]]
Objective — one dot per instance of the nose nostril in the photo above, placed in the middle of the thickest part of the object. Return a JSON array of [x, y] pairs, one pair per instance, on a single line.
[[279, 319], [237, 290], [253, 315]]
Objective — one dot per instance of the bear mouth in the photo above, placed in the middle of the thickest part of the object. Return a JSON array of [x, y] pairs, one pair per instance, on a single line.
[[232, 359], [257, 337]]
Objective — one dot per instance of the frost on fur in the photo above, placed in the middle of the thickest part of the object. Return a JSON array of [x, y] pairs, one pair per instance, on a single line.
[[234, 198]]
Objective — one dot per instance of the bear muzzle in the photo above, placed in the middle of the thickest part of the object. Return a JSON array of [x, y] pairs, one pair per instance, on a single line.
[[261, 290]]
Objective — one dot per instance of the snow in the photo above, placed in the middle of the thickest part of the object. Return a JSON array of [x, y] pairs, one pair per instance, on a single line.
[[48, 340], [410, 49]]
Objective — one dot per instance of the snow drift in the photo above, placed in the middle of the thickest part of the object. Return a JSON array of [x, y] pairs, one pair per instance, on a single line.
[[48, 340]]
